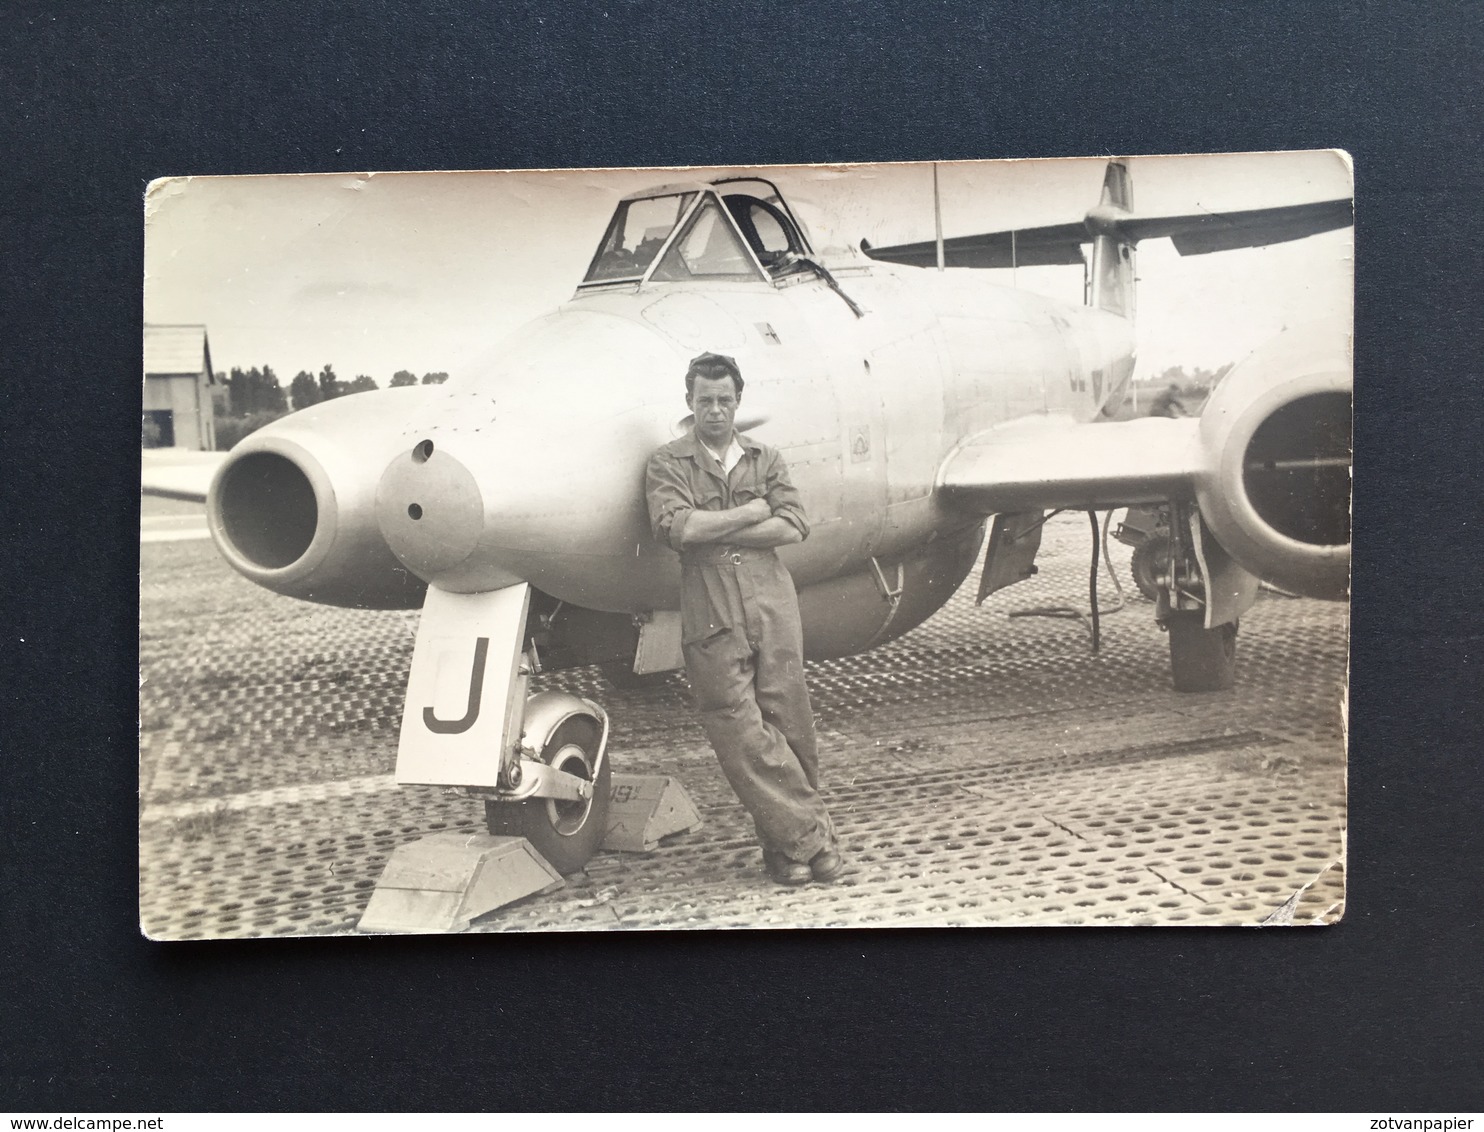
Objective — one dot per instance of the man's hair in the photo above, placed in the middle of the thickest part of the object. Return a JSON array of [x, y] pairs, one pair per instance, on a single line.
[[712, 367]]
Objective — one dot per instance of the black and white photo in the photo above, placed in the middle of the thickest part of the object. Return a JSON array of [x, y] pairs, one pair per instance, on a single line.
[[959, 544]]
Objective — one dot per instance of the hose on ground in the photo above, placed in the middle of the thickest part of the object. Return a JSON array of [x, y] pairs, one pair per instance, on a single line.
[[1091, 617]]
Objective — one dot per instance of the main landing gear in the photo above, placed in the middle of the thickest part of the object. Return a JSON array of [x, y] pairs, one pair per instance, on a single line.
[[1201, 659], [1150, 560], [1147, 530]]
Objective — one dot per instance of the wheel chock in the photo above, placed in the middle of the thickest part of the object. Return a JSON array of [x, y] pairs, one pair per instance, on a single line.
[[644, 809], [442, 882]]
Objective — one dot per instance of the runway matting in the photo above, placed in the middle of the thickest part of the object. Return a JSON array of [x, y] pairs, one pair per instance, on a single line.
[[984, 769]]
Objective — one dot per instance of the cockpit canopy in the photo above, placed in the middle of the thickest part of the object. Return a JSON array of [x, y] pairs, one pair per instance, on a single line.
[[737, 229], [639, 228]]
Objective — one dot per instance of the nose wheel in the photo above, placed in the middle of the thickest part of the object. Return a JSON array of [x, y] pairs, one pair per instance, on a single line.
[[567, 833]]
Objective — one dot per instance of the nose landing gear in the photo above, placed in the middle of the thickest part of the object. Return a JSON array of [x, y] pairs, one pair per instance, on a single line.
[[539, 762], [567, 831]]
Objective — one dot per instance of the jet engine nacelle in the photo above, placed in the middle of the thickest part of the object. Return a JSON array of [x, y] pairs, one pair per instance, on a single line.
[[294, 507], [1276, 489]]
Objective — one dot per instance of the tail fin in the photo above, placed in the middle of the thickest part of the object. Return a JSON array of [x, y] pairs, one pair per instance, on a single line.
[[1112, 252]]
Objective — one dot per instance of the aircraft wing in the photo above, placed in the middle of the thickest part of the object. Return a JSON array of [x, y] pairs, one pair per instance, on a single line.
[[1052, 462], [177, 474], [1193, 234]]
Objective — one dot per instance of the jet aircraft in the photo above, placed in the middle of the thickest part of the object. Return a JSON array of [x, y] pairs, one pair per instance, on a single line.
[[917, 403]]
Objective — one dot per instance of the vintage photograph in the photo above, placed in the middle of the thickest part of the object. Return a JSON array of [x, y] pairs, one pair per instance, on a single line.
[[934, 544]]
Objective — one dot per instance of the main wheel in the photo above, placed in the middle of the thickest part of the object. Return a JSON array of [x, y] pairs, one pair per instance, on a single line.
[[1151, 559], [1201, 659], [566, 833]]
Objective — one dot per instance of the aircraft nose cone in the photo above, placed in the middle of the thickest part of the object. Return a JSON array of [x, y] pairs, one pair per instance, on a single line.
[[430, 510]]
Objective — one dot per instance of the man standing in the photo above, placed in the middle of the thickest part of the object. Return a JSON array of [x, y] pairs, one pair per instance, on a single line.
[[1168, 403], [724, 502]]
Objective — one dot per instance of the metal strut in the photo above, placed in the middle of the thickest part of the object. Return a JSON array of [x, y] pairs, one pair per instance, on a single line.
[[893, 597]]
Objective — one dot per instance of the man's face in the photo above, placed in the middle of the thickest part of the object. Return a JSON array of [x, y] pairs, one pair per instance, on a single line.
[[714, 403]]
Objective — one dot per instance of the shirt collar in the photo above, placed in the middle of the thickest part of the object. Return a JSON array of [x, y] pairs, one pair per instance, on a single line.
[[694, 448]]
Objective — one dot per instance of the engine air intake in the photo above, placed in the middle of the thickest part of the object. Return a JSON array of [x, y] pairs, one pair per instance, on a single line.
[[1296, 469], [267, 509]]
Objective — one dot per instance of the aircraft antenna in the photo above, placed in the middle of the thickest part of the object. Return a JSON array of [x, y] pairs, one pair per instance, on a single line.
[[937, 216]]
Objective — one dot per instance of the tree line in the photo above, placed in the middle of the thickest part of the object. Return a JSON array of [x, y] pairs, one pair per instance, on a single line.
[[255, 396]]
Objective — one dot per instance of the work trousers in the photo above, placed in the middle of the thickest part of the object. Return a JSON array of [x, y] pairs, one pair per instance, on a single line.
[[744, 654]]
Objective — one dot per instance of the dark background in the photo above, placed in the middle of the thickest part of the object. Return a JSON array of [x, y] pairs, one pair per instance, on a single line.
[[1380, 1013]]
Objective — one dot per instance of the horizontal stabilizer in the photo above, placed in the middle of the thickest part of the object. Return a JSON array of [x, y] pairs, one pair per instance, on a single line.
[[1054, 462], [175, 473], [1205, 232], [1029, 247], [1193, 234]]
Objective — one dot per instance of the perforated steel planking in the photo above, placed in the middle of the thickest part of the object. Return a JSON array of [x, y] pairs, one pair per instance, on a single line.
[[982, 770]]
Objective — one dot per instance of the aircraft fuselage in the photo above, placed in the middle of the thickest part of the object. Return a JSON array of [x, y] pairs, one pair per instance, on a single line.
[[532, 470]]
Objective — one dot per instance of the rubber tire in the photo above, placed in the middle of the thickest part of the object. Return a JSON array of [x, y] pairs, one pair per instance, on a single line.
[[548, 824], [1201, 659], [1151, 557]]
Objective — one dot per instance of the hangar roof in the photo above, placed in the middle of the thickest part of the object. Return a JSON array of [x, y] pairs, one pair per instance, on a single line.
[[176, 349]]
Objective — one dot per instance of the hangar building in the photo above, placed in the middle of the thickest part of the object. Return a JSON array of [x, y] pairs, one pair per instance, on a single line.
[[178, 388]]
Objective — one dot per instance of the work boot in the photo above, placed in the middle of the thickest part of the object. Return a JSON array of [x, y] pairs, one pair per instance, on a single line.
[[827, 865], [787, 872]]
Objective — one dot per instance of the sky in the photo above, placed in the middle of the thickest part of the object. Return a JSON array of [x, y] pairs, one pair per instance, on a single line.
[[427, 271]]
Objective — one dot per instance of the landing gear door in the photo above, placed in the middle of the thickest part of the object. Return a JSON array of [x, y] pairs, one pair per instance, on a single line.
[[465, 693], [1011, 556], [1230, 590]]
